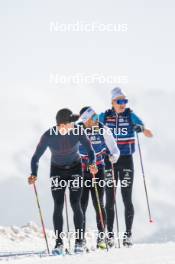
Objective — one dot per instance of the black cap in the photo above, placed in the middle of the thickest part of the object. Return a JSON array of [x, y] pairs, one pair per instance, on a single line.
[[84, 109], [65, 116]]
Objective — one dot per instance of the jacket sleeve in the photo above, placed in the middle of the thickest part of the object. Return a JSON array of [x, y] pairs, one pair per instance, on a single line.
[[110, 142], [42, 145], [102, 118], [137, 123]]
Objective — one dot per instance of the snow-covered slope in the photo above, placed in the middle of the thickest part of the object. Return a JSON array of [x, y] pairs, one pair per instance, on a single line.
[[29, 237]]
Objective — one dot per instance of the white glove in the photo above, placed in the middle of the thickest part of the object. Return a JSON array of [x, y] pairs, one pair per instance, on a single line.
[[113, 158]]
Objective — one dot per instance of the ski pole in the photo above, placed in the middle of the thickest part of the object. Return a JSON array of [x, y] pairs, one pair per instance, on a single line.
[[115, 206], [67, 221], [41, 218], [99, 209], [144, 180]]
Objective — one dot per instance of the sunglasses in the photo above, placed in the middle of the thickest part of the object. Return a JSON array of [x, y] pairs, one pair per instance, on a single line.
[[122, 101], [94, 117]]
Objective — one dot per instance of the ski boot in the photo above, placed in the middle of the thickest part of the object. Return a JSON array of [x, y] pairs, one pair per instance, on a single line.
[[127, 239], [110, 240], [79, 246], [101, 243], [59, 249]]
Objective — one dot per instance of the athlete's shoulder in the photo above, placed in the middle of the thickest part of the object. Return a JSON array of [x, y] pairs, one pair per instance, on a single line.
[[128, 110], [103, 115], [109, 112]]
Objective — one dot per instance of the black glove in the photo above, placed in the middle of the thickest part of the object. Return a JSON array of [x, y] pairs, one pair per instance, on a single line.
[[138, 128]]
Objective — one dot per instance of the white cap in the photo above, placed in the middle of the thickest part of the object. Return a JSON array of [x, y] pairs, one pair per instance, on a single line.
[[87, 114], [116, 92]]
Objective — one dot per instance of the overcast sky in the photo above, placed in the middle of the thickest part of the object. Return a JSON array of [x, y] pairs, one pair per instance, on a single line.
[[30, 52]]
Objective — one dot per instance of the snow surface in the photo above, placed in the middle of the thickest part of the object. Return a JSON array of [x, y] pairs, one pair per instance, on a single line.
[[29, 237]]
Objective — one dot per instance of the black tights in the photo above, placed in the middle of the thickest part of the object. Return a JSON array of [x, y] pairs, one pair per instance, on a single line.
[[124, 171], [58, 194]]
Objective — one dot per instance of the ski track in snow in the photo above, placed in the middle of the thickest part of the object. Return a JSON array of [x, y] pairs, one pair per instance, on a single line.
[[29, 237], [139, 254]]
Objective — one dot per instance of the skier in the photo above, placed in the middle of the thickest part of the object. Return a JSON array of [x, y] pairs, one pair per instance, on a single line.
[[124, 123], [103, 142], [65, 166]]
